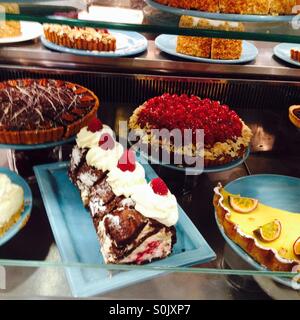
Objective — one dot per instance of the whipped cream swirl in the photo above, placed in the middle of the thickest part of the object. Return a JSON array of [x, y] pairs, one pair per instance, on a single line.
[[104, 159], [89, 139], [125, 182], [164, 209]]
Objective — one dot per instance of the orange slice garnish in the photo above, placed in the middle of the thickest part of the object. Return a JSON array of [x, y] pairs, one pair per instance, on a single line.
[[269, 231], [242, 204], [297, 247]]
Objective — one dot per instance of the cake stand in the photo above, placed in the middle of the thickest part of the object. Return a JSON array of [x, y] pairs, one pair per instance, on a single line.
[[31, 155]]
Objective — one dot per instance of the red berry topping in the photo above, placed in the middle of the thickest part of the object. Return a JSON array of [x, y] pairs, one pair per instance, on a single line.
[[190, 112], [127, 161], [95, 125], [159, 187], [106, 142]]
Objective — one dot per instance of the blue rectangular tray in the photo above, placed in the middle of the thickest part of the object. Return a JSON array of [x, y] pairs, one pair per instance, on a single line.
[[77, 241]]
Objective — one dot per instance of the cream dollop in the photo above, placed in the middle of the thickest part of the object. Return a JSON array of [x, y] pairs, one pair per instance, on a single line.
[[104, 159], [89, 139], [125, 182], [11, 199], [164, 209]]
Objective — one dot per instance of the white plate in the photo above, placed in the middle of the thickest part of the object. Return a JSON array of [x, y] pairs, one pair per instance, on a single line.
[[30, 30], [283, 52], [167, 43]]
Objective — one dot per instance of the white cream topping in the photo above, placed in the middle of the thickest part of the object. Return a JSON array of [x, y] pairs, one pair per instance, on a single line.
[[89, 139], [11, 199], [125, 182], [104, 159], [164, 209]]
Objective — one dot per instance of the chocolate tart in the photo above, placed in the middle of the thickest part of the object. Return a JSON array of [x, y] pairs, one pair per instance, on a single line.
[[35, 111]]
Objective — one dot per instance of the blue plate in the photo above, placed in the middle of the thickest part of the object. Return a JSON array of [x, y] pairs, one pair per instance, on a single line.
[[195, 171], [77, 241], [281, 192], [15, 178], [283, 52], [220, 16], [167, 43], [24, 147], [128, 43]]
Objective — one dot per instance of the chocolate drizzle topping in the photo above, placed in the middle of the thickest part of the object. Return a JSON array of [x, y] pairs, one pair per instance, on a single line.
[[41, 104]]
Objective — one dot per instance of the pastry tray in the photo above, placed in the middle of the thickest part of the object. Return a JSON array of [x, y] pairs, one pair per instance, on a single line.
[[77, 241]]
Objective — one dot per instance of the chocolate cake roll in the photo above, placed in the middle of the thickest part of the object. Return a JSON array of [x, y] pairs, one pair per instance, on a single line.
[[128, 237], [134, 220]]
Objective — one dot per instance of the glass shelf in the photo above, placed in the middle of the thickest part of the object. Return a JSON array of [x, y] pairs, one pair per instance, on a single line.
[[31, 259], [142, 17]]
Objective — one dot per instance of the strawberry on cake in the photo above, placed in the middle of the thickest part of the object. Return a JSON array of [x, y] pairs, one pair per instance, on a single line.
[[226, 136]]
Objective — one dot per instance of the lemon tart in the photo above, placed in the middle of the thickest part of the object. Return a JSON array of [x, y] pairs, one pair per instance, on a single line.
[[279, 253]]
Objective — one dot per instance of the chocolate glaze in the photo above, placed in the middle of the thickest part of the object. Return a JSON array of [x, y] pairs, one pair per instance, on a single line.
[[28, 104]]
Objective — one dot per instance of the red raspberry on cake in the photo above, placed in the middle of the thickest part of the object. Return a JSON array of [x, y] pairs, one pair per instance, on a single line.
[[127, 161], [95, 125], [226, 136], [159, 187]]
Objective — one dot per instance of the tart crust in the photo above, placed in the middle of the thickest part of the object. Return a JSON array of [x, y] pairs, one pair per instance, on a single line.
[[58, 133], [80, 38], [14, 219], [209, 161], [267, 257]]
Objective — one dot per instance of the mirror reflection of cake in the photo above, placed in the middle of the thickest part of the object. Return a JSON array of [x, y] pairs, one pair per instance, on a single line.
[[251, 7], [81, 38], [9, 28], [205, 47]]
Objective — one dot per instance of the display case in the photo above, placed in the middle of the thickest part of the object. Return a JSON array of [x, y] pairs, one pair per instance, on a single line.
[[55, 254]]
